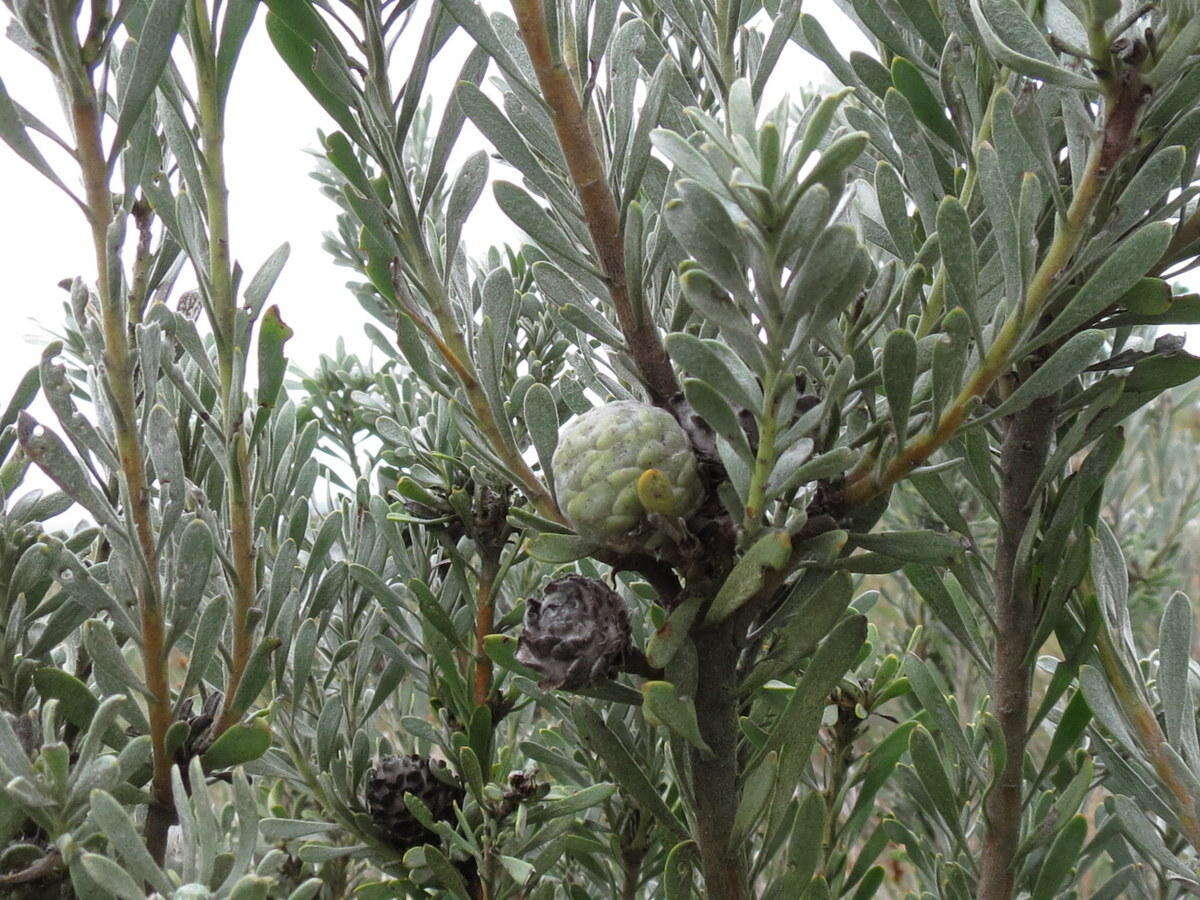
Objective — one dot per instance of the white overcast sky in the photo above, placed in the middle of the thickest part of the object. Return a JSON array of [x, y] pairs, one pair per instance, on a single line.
[[271, 126]]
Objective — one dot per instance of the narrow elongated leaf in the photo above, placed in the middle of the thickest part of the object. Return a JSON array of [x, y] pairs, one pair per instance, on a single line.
[[930, 547], [272, 364], [929, 110], [663, 705], [1014, 41], [711, 405], [621, 763], [932, 772], [1116, 275], [1067, 363], [899, 371], [153, 52], [833, 657], [771, 551], [122, 835], [240, 744], [111, 877], [959, 254], [1174, 658], [14, 133]]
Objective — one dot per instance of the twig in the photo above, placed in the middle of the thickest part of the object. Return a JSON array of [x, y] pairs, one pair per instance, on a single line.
[[119, 366], [1123, 109], [596, 198]]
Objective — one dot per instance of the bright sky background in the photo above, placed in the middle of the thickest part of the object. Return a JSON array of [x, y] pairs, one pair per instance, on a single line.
[[271, 127]]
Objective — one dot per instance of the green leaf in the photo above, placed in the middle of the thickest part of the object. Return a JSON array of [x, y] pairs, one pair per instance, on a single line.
[[239, 16], [920, 168], [272, 364], [1174, 660], [504, 136], [78, 704], [932, 772], [929, 110], [1117, 274], [624, 768], [1064, 855], [14, 133], [528, 215], [541, 418], [998, 203], [1067, 364], [205, 641], [556, 549], [51, 455], [1149, 185], [889, 190], [123, 837], [934, 592], [757, 788], [447, 875], [1161, 373], [1145, 836], [705, 360], [833, 658], [804, 849], [1014, 41], [666, 641], [107, 656], [264, 279], [899, 371], [150, 60], [920, 676], [1178, 52], [959, 254], [663, 706], [677, 873], [255, 677], [711, 405], [574, 803], [929, 547], [769, 552], [296, 36], [474, 21], [240, 744], [502, 650], [111, 877], [1071, 725]]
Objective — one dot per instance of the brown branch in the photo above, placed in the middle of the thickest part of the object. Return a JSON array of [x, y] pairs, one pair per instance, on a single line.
[[42, 869], [596, 197], [715, 776], [485, 624], [1022, 459], [119, 369]]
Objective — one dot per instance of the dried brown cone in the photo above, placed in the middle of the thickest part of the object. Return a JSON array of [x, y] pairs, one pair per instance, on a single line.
[[576, 635], [392, 778]]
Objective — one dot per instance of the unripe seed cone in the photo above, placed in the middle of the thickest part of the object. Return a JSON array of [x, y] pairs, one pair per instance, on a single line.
[[619, 462]]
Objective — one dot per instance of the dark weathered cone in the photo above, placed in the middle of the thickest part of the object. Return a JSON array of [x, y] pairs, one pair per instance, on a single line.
[[395, 776], [576, 635]]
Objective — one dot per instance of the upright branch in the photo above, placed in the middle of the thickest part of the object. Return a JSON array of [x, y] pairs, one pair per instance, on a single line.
[[1023, 455], [223, 308], [1123, 103], [596, 197], [119, 363]]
